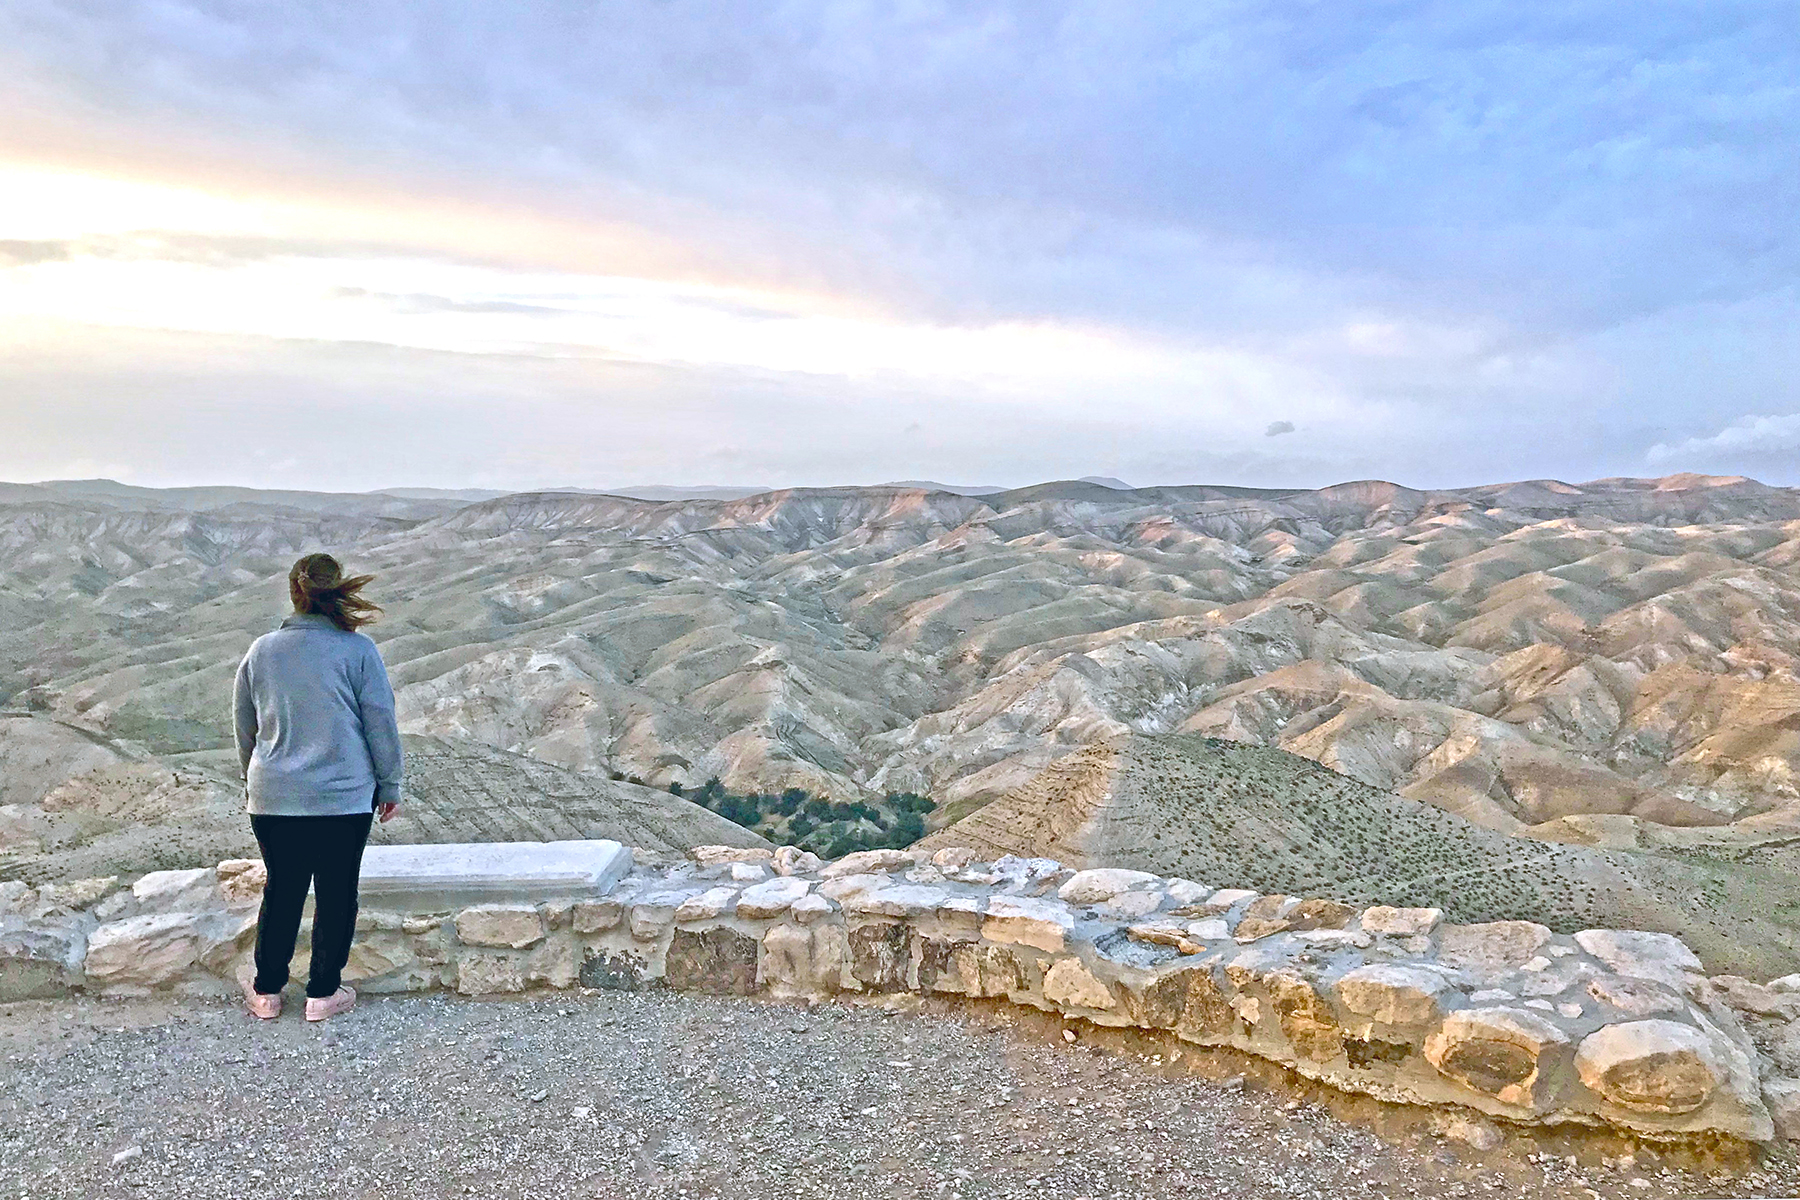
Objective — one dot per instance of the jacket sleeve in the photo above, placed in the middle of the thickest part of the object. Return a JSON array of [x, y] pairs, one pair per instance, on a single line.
[[375, 701], [243, 714]]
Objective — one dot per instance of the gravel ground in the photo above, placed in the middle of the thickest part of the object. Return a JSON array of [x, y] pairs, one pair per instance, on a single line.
[[659, 1095]]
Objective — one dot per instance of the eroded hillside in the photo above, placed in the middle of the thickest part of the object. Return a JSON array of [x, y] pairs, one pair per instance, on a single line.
[[1523, 655]]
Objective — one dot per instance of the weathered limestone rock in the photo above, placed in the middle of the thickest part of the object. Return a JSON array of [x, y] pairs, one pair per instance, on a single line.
[[791, 860], [1306, 1019], [1636, 997], [39, 961], [1490, 950], [867, 862], [712, 856], [969, 968], [787, 967], [812, 907], [709, 905], [1103, 883], [1401, 922], [652, 916], [1394, 994], [1188, 1001], [1042, 924], [1186, 891], [378, 954], [954, 858], [1655, 1066], [242, 880], [769, 900], [146, 951], [880, 955], [1069, 983], [895, 900], [514, 926], [178, 891], [1127, 906], [554, 961], [1782, 1096], [842, 887], [487, 974], [596, 916], [75, 895], [749, 872], [618, 971], [718, 962], [1497, 1051], [1657, 956]]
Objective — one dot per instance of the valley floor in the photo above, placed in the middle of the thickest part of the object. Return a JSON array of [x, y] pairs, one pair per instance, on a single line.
[[651, 1096]]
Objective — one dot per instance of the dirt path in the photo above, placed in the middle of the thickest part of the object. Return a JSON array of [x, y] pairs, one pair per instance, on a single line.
[[652, 1096]]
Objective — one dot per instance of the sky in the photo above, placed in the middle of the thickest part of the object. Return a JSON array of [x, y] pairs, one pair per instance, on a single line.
[[369, 244]]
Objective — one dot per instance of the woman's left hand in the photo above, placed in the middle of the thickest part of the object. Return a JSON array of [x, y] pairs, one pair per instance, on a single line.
[[386, 812]]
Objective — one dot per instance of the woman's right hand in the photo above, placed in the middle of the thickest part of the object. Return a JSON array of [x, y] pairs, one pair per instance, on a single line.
[[386, 812]]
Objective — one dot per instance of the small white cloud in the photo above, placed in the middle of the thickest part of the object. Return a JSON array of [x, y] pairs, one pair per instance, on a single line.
[[1277, 428], [1753, 434]]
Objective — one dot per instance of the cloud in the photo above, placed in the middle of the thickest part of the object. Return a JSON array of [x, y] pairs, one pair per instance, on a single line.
[[421, 302], [1747, 436], [17, 253], [1277, 428]]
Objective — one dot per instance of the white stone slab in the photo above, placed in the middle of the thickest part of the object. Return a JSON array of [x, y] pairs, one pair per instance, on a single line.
[[454, 874]]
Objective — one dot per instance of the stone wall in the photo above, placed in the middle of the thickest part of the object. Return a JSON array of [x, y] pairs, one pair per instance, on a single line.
[[1605, 1027]]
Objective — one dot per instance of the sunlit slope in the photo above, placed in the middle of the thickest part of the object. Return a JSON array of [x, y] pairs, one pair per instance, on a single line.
[[1230, 814]]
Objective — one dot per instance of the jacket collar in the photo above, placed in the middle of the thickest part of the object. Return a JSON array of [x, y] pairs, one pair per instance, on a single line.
[[308, 621]]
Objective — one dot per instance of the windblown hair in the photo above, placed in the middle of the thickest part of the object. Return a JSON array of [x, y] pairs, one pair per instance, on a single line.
[[317, 585]]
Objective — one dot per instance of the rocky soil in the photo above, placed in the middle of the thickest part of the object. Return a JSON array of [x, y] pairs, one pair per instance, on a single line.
[[656, 1095]]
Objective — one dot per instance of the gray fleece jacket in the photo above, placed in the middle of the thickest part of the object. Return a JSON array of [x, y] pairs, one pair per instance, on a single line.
[[315, 722]]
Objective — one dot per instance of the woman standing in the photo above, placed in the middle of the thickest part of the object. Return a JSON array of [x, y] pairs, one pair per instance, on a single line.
[[321, 756]]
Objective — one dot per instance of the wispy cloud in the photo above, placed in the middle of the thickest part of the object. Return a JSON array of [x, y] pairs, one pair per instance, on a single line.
[[1277, 428], [1751, 435]]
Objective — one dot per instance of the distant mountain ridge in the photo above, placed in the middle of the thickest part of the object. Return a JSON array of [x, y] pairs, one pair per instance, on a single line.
[[1536, 656]]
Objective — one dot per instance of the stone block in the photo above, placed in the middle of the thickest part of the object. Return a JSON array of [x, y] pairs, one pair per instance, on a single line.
[[1491, 949], [1496, 1051], [768, 900], [1319, 914], [487, 973], [1661, 957], [1652, 1066], [383, 953], [554, 962], [791, 860], [447, 876], [1401, 922], [596, 916], [880, 955], [614, 971], [812, 907], [709, 905], [146, 951], [1041, 924], [1306, 1019], [652, 916], [900, 900], [712, 856], [1069, 984], [1103, 883], [866, 862], [1635, 997], [75, 895], [242, 880], [1782, 1096], [1394, 993], [513, 926], [1188, 1001], [39, 961], [717, 962], [178, 891]]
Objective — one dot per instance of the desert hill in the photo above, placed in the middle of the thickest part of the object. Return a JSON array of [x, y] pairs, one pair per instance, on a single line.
[[1584, 661], [1218, 811], [78, 805]]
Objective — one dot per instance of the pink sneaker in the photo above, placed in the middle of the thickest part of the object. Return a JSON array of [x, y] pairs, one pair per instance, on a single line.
[[339, 1001], [262, 1005]]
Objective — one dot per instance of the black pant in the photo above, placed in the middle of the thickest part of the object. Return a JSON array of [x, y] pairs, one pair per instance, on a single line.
[[327, 853]]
